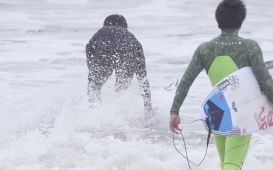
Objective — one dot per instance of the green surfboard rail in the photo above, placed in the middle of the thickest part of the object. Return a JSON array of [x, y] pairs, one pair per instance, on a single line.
[[221, 67]]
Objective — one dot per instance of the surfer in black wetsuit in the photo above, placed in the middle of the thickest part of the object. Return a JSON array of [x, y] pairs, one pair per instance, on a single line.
[[113, 47]]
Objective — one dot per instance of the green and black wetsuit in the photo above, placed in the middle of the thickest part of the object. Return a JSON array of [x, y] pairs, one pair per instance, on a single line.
[[220, 57]]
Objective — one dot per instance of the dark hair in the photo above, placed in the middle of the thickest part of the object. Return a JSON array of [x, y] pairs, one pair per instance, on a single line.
[[230, 14], [115, 20]]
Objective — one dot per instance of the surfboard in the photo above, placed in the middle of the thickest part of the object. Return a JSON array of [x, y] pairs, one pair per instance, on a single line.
[[237, 106]]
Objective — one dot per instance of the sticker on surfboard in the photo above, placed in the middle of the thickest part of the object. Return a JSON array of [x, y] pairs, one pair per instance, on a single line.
[[237, 106]]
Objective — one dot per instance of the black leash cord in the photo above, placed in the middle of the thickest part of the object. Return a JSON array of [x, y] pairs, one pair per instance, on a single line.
[[185, 150], [186, 157]]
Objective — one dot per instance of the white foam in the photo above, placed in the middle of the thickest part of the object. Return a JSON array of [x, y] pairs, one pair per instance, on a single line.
[[45, 120]]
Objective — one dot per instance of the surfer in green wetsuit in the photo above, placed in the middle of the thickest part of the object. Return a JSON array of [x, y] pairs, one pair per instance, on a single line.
[[220, 57]]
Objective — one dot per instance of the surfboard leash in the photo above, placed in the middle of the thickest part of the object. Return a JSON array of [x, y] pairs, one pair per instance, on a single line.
[[186, 157]]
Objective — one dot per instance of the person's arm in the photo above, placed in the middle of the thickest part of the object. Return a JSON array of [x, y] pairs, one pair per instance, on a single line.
[[261, 72], [194, 68], [90, 49], [143, 82]]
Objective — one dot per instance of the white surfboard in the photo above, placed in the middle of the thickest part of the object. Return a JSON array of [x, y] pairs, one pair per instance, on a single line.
[[236, 106]]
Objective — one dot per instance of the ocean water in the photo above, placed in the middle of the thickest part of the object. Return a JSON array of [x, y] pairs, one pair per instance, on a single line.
[[46, 122]]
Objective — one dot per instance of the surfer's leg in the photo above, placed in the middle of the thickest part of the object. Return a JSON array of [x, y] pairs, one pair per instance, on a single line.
[[236, 149], [97, 76], [220, 142], [124, 77], [94, 92]]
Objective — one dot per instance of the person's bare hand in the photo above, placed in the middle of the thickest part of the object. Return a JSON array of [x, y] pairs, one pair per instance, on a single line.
[[174, 122]]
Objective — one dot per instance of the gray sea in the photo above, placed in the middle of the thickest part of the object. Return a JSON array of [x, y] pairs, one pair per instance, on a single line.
[[46, 122]]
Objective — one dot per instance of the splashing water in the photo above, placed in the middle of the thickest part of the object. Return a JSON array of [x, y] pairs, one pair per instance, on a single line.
[[46, 122]]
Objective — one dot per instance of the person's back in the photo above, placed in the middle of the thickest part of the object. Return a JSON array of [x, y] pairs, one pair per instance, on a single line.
[[231, 52], [114, 48], [117, 49], [220, 57]]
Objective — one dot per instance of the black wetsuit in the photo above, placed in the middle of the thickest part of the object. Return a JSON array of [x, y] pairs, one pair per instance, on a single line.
[[115, 48]]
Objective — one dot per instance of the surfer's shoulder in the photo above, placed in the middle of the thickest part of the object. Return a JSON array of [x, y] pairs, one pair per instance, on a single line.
[[203, 46], [252, 46], [250, 42]]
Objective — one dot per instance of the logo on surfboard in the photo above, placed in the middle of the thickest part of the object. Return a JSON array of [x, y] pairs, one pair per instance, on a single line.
[[223, 85], [244, 130], [218, 112], [234, 106], [222, 98], [235, 132], [264, 120], [238, 131], [270, 119], [232, 80]]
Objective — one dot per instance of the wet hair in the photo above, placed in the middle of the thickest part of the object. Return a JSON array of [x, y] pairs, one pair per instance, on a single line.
[[115, 20], [230, 14]]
